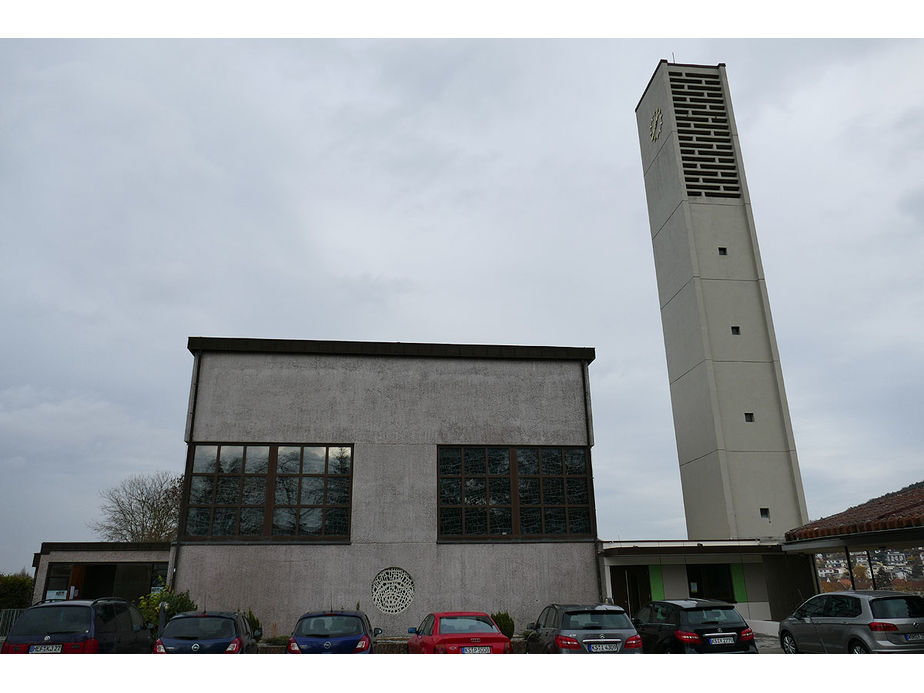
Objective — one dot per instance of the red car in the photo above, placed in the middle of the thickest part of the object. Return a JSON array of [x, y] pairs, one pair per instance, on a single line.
[[458, 632]]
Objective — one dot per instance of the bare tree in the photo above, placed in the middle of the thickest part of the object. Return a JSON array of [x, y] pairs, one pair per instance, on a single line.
[[141, 508]]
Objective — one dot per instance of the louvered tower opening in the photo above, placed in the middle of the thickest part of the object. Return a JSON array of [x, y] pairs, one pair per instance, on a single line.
[[709, 166]]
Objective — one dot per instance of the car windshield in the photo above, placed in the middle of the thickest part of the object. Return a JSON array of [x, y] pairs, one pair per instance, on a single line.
[[467, 624], [53, 619], [595, 620], [714, 616], [329, 626], [199, 628], [898, 607]]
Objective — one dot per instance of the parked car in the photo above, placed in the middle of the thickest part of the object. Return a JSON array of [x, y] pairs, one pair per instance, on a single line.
[[207, 632], [79, 627], [693, 626], [582, 629], [333, 632], [458, 632], [856, 621]]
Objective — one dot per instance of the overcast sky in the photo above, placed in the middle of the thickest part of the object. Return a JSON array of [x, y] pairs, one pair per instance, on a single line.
[[469, 191]]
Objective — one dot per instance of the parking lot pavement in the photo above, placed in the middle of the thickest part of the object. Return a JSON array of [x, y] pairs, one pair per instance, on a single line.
[[767, 644]]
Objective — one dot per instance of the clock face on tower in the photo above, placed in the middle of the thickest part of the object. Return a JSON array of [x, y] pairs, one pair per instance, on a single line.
[[654, 126]]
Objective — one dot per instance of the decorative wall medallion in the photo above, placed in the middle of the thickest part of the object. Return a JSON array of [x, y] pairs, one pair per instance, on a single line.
[[655, 125], [392, 590]]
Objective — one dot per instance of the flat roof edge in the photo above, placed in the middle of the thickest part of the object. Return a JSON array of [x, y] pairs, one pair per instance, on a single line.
[[49, 546], [343, 348]]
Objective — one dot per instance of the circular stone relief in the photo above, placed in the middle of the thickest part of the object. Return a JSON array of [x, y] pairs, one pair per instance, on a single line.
[[392, 590]]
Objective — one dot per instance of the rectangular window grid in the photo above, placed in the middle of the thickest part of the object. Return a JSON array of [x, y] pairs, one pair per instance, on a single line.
[[269, 491], [514, 493]]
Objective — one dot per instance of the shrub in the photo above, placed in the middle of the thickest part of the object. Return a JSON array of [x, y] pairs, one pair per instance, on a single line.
[[177, 602], [254, 623], [504, 622], [15, 590]]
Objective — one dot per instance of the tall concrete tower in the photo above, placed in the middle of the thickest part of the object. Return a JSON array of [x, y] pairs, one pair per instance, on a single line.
[[738, 466]]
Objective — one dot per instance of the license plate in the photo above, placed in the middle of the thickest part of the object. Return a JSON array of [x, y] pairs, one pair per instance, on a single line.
[[611, 647], [722, 641], [476, 650], [914, 636], [44, 649]]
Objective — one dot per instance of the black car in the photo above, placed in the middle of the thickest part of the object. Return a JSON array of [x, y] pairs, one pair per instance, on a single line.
[[79, 627], [693, 626], [207, 632], [582, 629]]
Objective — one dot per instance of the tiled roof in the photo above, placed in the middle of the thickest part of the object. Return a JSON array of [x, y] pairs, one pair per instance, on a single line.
[[896, 510]]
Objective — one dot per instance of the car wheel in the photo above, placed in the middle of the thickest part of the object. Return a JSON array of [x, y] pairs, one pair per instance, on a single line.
[[857, 647], [788, 643]]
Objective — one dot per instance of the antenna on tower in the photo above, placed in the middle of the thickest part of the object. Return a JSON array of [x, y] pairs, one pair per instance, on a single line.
[[672, 57]]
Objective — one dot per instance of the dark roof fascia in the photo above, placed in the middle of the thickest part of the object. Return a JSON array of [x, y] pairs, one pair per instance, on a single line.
[[49, 546], [890, 537], [670, 64], [689, 550], [336, 348]]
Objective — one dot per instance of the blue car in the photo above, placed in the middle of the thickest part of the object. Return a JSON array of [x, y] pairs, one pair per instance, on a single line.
[[207, 632], [333, 632]]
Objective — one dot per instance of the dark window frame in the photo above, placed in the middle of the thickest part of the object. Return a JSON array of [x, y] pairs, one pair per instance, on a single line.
[[544, 492], [334, 514]]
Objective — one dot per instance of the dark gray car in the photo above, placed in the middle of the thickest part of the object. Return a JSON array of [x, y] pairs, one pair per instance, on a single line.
[[582, 629], [856, 621]]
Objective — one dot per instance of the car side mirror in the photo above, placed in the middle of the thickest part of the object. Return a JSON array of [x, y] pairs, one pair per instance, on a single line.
[[376, 632], [636, 622], [530, 626], [257, 634], [413, 631]]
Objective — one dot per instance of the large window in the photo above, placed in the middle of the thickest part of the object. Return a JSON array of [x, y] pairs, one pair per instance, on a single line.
[[514, 493], [269, 491]]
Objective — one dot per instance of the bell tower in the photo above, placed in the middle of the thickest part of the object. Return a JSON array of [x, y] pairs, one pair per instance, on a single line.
[[738, 465]]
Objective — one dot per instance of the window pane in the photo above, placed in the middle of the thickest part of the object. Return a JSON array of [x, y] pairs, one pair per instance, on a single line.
[[257, 459], [287, 461], [231, 460], [553, 491], [254, 490], [197, 522], [499, 491], [223, 522], [498, 461], [251, 521], [474, 461], [313, 491], [205, 458], [336, 521], [555, 521], [200, 490], [577, 491], [475, 492], [551, 461], [229, 490], [286, 490], [530, 520], [529, 491], [476, 521], [501, 521], [338, 491], [309, 521], [527, 461], [450, 461], [451, 491], [451, 521], [575, 462], [579, 520], [340, 460], [313, 461], [284, 521]]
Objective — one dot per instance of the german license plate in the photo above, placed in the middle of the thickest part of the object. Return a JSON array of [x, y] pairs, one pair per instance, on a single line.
[[608, 647], [476, 650], [730, 640], [44, 649], [914, 636]]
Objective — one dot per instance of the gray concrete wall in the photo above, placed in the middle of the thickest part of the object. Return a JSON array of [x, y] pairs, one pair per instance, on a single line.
[[279, 583]]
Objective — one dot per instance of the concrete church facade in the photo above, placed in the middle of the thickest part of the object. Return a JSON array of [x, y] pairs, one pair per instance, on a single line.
[[405, 478]]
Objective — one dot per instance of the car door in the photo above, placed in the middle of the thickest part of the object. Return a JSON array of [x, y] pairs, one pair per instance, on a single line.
[[802, 624], [419, 640], [833, 626], [534, 644], [644, 628], [549, 629]]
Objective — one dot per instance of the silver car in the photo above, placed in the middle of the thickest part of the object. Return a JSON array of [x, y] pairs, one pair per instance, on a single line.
[[582, 629], [857, 622]]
